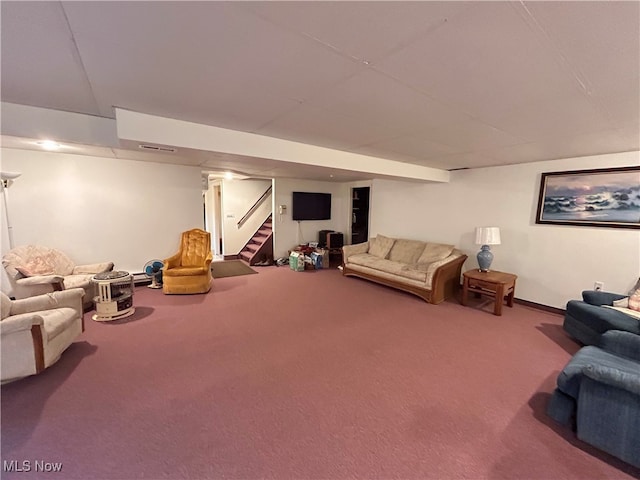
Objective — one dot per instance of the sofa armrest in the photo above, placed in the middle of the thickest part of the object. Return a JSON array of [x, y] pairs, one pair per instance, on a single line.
[[594, 297], [348, 250], [613, 377], [71, 298], [40, 280], [443, 277], [446, 266], [19, 323], [625, 344], [92, 268]]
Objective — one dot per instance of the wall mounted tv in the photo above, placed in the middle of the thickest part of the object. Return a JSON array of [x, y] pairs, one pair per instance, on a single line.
[[311, 206]]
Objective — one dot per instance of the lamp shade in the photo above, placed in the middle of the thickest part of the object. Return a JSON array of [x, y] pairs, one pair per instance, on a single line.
[[487, 236]]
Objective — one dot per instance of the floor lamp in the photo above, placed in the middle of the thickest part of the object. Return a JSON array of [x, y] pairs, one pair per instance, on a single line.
[[7, 179]]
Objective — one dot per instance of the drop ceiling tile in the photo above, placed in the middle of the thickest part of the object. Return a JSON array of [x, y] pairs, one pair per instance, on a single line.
[[484, 62], [471, 135], [363, 30], [571, 114], [416, 146], [599, 40], [370, 94], [228, 78], [317, 126], [621, 105], [462, 160], [38, 53], [568, 146]]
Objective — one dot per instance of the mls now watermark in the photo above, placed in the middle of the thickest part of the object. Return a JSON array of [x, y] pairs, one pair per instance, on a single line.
[[31, 466]]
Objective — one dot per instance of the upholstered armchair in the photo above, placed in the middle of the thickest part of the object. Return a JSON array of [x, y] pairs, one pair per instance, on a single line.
[[598, 394], [189, 270], [35, 331], [34, 270]]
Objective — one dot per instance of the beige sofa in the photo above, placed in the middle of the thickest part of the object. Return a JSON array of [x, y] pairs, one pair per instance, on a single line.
[[35, 269], [429, 270], [35, 331]]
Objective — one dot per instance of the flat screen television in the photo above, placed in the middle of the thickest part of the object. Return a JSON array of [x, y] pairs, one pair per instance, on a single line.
[[311, 206]]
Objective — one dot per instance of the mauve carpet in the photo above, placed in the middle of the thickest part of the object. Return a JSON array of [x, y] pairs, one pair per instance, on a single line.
[[308, 375]]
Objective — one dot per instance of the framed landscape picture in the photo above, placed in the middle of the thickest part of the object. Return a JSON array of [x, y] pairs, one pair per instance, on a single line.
[[607, 197]]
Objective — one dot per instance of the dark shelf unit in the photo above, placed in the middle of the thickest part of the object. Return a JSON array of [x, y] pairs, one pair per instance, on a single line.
[[359, 215]]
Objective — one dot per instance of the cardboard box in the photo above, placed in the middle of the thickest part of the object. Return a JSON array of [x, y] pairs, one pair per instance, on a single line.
[[324, 252], [296, 261], [316, 260]]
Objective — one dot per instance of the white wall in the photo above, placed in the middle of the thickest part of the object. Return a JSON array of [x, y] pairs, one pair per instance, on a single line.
[[289, 233], [238, 196], [100, 209], [553, 263]]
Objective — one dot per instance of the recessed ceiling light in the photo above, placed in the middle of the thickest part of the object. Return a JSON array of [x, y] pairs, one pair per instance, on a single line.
[[49, 145]]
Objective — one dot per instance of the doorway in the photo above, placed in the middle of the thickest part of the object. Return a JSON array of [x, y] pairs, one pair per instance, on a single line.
[[359, 214]]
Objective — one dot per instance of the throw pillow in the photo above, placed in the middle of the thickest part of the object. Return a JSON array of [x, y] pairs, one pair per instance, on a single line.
[[623, 302], [29, 271], [434, 252], [634, 297], [381, 246]]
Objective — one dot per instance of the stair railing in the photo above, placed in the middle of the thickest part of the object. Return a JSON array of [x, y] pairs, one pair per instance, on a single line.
[[255, 206]]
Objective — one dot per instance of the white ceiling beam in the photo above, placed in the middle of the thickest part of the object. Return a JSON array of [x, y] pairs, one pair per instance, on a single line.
[[145, 128]]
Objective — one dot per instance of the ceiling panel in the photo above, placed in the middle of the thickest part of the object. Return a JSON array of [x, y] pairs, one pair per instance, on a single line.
[[472, 135], [568, 115], [596, 38], [364, 30], [416, 146], [441, 84], [39, 59], [372, 95], [469, 64], [317, 126]]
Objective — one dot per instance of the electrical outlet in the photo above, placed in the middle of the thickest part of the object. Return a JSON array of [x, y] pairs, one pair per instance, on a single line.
[[598, 286]]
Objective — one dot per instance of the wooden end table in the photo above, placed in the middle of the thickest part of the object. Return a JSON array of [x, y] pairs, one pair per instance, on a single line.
[[492, 283]]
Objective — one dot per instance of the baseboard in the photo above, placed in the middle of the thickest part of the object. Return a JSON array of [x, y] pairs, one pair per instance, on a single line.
[[539, 306]]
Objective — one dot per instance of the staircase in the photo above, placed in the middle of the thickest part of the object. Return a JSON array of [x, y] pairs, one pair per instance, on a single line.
[[260, 247]]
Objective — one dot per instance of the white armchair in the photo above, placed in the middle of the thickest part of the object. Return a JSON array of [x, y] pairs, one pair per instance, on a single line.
[[35, 331], [34, 270]]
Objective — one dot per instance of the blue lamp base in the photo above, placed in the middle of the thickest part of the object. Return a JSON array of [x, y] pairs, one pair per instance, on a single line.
[[485, 257]]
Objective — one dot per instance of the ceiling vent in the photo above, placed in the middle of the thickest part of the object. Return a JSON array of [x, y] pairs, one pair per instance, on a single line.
[[157, 148]]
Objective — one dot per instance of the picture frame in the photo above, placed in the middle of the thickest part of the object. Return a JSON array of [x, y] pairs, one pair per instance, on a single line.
[[605, 197]]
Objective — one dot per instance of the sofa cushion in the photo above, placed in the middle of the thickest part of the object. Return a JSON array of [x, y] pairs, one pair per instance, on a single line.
[[57, 320], [387, 266], [434, 252], [406, 251], [77, 281], [380, 246]]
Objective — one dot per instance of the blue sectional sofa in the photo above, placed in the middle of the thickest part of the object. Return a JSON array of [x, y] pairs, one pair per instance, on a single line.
[[598, 393], [587, 320]]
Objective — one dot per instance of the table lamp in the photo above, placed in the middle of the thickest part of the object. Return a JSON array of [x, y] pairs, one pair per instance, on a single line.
[[486, 236]]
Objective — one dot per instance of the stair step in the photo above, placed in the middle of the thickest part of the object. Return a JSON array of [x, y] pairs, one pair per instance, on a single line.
[[253, 246], [246, 256], [265, 232]]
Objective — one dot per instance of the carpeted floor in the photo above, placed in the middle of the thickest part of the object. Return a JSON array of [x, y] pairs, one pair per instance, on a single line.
[[230, 268], [336, 378]]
